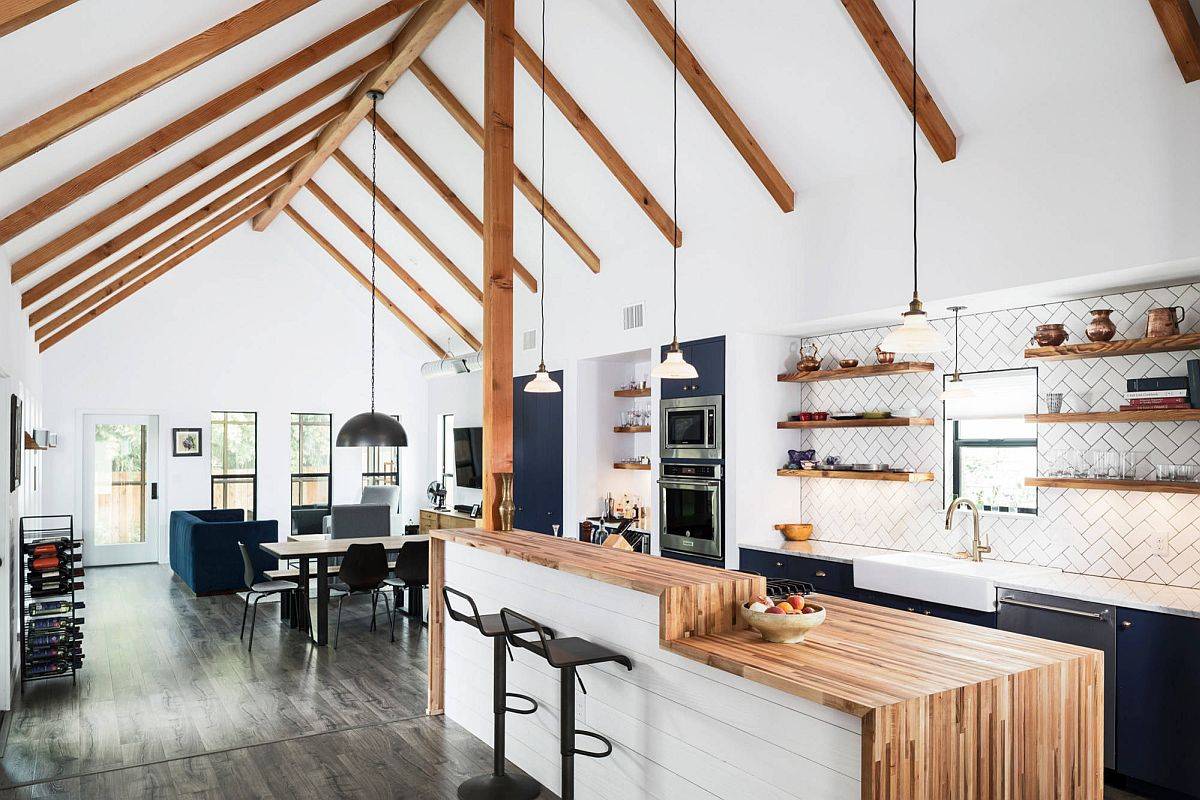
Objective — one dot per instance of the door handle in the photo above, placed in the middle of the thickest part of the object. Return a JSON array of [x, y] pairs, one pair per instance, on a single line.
[[154, 490], [1098, 615], [1126, 625]]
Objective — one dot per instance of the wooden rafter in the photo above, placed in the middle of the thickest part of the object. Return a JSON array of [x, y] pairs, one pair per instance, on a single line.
[[722, 112], [145, 280], [345, 264], [177, 246], [418, 31], [404, 221], [1179, 24], [467, 121], [172, 177], [149, 246], [445, 192], [393, 265], [497, 253], [891, 56], [594, 137], [27, 139], [16, 14], [149, 223], [91, 179]]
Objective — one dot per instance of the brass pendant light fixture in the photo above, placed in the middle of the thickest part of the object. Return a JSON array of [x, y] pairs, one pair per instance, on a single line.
[[542, 383], [371, 428], [915, 334], [674, 366], [956, 387]]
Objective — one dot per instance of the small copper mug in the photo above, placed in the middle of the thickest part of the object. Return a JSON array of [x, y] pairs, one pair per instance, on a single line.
[[1163, 321]]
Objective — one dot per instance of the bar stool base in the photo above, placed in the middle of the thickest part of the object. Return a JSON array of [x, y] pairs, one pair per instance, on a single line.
[[499, 787]]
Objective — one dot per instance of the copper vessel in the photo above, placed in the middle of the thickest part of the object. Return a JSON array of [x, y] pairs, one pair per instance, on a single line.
[[1049, 335], [884, 357], [809, 360], [1163, 321], [1101, 328]]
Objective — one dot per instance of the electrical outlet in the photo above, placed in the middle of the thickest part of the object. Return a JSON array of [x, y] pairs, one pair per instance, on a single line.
[[1160, 544]]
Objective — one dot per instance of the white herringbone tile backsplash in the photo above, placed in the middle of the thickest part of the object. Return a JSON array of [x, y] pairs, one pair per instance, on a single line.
[[1105, 533]]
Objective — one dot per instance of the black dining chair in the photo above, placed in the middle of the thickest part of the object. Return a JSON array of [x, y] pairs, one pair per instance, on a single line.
[[363, 570], [263, 589], [412, 573]]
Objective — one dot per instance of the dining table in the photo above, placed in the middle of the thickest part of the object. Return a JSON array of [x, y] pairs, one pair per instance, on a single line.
[[316, 549]]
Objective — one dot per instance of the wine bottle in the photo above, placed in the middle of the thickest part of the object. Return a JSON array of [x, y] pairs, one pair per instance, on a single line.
[[55, 651], [58, 667], [54, 588], [45, 624], [50, 639], [49, 546], [52, 607], [53, 563]]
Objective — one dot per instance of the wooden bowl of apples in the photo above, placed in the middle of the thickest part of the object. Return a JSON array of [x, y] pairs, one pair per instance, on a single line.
[[786, 621]]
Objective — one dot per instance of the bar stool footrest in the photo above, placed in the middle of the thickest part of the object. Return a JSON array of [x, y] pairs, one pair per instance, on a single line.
[[533, 703], [592, 753]]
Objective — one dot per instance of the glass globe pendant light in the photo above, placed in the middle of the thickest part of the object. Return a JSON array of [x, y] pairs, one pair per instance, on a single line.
[[915, 334], [371, 428], [542, 383], [956, 387], [673, 365]]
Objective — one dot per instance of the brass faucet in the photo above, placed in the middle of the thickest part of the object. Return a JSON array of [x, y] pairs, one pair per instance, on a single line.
[[977, 547]]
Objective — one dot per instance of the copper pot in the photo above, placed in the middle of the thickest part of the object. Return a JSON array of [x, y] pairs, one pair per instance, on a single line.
[[884, 357], [809, 360], [1049, 335], [1163, 321], [1101, 328]]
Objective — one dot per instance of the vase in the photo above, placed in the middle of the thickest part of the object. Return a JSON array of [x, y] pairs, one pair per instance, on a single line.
[[507, 508], [1101, 328]]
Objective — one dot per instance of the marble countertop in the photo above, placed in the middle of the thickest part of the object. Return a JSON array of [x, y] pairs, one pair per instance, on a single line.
[[1111, 591]]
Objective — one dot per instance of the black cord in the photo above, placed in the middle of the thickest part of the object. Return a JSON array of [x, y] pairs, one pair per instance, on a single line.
[[374, 113], [542, 284], [956, 341], [914, 140], [675, 171]]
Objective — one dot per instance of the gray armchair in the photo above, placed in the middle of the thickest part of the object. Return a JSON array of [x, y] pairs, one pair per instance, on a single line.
[[388, 496], [358, 521]]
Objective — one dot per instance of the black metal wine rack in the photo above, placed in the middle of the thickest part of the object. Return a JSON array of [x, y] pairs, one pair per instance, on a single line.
[[51, 643]]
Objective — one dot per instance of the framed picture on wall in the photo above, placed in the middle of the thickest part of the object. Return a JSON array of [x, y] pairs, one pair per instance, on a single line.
[[185, 442], [16, 429]]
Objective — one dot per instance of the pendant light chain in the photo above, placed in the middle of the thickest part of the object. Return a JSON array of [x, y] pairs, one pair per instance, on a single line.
[[542, 278], [675, 171], [914, 140], [374, 113]]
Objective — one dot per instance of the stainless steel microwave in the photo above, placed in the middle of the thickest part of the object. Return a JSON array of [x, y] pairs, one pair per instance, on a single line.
[[692, 427]]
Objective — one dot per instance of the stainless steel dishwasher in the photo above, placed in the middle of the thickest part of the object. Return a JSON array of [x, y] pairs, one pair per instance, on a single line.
[[1062, 619]]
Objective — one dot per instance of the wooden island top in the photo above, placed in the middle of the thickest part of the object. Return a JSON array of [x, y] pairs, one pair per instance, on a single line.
[[942, 703]]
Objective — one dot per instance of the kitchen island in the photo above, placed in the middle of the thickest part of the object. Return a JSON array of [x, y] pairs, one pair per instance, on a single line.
[[875, 704]]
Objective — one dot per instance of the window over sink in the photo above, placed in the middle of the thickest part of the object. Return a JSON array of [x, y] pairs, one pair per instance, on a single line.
[[990, 449]]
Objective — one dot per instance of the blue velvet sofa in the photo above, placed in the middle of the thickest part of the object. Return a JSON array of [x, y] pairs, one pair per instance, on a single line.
[[204, 548]]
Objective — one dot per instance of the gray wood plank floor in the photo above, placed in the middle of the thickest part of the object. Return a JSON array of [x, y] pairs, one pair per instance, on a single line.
[[169, 704]]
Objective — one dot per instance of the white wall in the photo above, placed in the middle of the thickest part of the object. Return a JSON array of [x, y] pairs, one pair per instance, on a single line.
[[255, 323]]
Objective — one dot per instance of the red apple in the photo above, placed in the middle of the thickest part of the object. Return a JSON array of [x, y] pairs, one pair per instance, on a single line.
[[774, 610], [796, 601], [809, 610]]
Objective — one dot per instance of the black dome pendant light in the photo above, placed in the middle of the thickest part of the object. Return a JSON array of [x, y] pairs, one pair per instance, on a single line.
[[371, 428]]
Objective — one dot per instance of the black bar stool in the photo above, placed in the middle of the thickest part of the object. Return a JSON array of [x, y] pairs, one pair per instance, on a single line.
[[499, 785], [565, 655]]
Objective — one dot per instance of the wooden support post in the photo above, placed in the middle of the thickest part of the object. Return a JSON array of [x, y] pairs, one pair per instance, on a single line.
[[497, 253], [437, 628]]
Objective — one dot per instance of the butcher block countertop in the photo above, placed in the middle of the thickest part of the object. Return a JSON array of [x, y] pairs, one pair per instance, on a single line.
[[944, 704]]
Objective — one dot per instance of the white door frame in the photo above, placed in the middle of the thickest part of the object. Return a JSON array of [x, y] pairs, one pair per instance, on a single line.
[[163, 522]]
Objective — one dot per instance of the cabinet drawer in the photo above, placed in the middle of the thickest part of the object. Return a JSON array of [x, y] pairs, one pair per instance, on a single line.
[[761, 562], [830, 577]]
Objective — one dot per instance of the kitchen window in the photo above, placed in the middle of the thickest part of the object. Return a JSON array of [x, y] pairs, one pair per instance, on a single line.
[[312, 475], [990, 448], [234, 437]]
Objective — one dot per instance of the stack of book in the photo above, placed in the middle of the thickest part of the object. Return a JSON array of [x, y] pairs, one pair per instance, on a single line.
[[1155, 394]]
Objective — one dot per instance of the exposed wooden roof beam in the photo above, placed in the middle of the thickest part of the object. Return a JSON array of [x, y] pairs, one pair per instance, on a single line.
[[145, 280], [722, 112], [172, 177], [435, 182], [149, 223], [594, 137], [1182, 29], [345, 264], [16, 14], [27, 139], [420, 29], [404, 221], [891, 56], [394, 265], [91, 179], [146, 248], [467, 121]]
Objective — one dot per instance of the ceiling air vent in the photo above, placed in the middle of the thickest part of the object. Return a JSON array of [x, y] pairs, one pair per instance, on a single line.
[[633, 316], [529, 339]]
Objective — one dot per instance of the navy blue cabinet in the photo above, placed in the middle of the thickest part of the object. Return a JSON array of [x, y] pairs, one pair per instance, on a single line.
[[772, 565], [537, 457], [708, 357], [827, 577], [1158, 699]]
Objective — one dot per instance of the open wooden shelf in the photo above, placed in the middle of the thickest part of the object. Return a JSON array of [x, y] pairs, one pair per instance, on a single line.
[[889, 422], [870, 371], [631, 429], [1153, 415], [631, 465], [631, 393], [1123, 347], [851, 475], [1117, 484]]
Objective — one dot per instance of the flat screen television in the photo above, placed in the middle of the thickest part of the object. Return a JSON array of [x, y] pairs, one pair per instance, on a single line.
[[468, 457]]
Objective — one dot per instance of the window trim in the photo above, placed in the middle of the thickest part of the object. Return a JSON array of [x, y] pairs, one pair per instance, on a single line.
[[212, 478], [383, 474], [300, 449]]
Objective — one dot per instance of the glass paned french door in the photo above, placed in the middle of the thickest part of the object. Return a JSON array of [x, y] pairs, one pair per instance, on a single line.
[[120, 472]]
